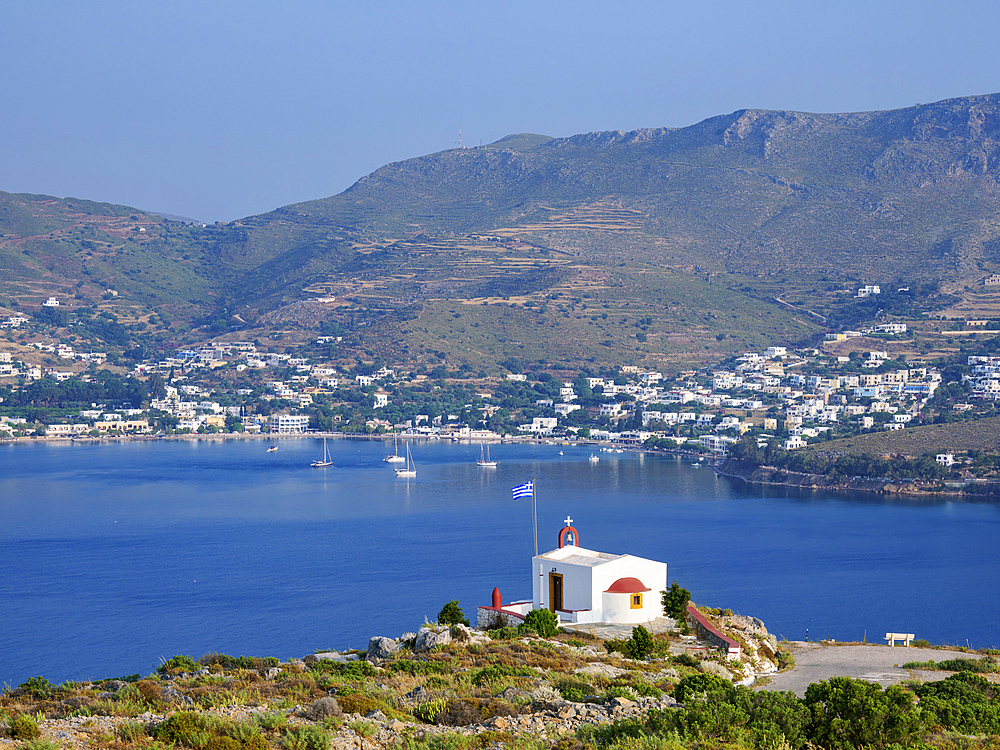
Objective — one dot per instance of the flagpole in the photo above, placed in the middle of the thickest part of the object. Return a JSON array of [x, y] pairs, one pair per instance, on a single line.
[[534, 515]]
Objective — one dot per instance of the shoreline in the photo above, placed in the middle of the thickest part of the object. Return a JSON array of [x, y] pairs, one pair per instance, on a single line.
[[769, 476]]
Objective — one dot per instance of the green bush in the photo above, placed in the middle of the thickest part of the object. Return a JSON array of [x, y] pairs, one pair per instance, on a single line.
[[685, 660], [360, 703], [954, 665], [541, 621], [700, 683], [848, 714], [504, 633], [965, 702], [498, 673], [415, 668], [186, 728], [675, 601], [306, 738], [21, 727], [272, 722], [178, 663], [640, 644], [221, 742], [355, 670], [37, 687], [429, 711], [452, 614], [574, 689], [239, 662]]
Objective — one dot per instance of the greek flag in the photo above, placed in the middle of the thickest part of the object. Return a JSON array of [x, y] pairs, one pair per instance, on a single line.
[[524, 490]]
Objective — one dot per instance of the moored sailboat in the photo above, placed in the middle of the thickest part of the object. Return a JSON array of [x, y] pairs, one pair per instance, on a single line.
[[409, 470], [484, 458], [322, 463], [394, 457]]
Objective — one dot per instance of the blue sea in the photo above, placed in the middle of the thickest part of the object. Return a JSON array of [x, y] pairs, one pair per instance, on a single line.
[[116, 555]]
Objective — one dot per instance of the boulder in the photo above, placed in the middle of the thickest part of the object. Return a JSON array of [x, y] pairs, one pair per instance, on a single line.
[[511, 694], [323, 708], [171, 693], [418, 695], [336, 656], [428, 638], [621, 704], [381, 648]]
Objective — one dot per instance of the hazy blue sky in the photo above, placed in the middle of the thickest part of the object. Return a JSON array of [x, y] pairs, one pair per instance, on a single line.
[[217, 110]]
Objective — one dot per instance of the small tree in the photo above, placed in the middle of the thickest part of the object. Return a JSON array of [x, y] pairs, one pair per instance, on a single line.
[[542, 622], [452, 614], [675, 601], [640, 645]]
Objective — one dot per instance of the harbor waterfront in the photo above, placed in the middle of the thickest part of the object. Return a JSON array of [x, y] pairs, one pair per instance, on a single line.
[[115, 555]]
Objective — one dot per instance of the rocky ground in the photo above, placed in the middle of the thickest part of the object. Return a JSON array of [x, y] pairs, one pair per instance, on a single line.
[[434, 682]]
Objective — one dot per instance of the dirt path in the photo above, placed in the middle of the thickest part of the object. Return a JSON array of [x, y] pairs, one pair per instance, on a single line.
[[815, 662]]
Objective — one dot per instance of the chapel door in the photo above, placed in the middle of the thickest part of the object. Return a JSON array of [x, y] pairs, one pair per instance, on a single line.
[[555, 591]]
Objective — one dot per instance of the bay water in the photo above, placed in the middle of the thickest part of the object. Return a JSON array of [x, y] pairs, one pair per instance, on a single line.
[[114, 556]]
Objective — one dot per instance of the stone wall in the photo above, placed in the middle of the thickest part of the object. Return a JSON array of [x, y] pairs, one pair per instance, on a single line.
[[487, 617]]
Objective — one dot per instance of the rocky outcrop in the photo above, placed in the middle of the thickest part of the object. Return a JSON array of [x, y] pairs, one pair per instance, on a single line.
[[323, 708], [428, 638], [381, 648]]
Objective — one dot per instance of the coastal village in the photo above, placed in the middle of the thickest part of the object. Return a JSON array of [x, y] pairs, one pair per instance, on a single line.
[[796, 397]]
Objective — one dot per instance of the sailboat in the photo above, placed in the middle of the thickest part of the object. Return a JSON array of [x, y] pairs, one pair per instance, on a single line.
[[394, 457], [322, 463], [272, 448], [593, 458], [484, 459], [409, 470]]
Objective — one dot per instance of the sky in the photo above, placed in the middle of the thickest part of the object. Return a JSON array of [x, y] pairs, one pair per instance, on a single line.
[[219, 110]]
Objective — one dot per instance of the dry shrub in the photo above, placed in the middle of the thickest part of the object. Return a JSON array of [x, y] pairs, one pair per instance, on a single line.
[[465, 711], [359, 703], [150, 692]]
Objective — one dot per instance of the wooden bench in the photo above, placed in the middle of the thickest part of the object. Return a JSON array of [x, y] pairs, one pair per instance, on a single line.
[[904, 637]]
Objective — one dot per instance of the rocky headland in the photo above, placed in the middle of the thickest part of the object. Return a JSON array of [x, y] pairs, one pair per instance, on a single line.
[[441, 687]]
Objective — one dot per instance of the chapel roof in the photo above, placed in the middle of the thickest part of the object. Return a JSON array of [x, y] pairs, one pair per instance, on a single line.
[[627, 585], [579, 556]]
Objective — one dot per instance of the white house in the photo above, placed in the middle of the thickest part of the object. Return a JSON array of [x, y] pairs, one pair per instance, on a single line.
[[581, 585], [285, 424]]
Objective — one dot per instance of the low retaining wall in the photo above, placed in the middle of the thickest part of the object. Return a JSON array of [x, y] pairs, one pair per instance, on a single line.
[[491, 617], [713, 635]]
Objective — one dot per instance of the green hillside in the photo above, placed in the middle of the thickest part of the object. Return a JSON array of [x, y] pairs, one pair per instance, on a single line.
[[662, 247]]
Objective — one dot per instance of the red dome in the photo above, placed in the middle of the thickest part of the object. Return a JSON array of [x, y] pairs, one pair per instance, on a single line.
[[626, 586]]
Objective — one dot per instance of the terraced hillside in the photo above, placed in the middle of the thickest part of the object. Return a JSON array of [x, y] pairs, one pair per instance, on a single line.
[[663, 247]]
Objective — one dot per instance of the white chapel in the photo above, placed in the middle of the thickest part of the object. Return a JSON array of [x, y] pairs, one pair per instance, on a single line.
[[583, 586]]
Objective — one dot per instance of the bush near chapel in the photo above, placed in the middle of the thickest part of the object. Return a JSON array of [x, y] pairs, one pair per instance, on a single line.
[[452, 614], [675, 601], [541, 621]]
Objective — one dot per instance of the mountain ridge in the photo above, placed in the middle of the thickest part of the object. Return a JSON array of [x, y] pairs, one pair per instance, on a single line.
[[735, 209]]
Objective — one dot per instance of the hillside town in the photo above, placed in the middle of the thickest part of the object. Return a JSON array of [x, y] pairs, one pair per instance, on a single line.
[[796, 397]]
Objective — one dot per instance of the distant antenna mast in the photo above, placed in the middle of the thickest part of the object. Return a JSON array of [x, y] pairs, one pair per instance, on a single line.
[[460, 139]]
